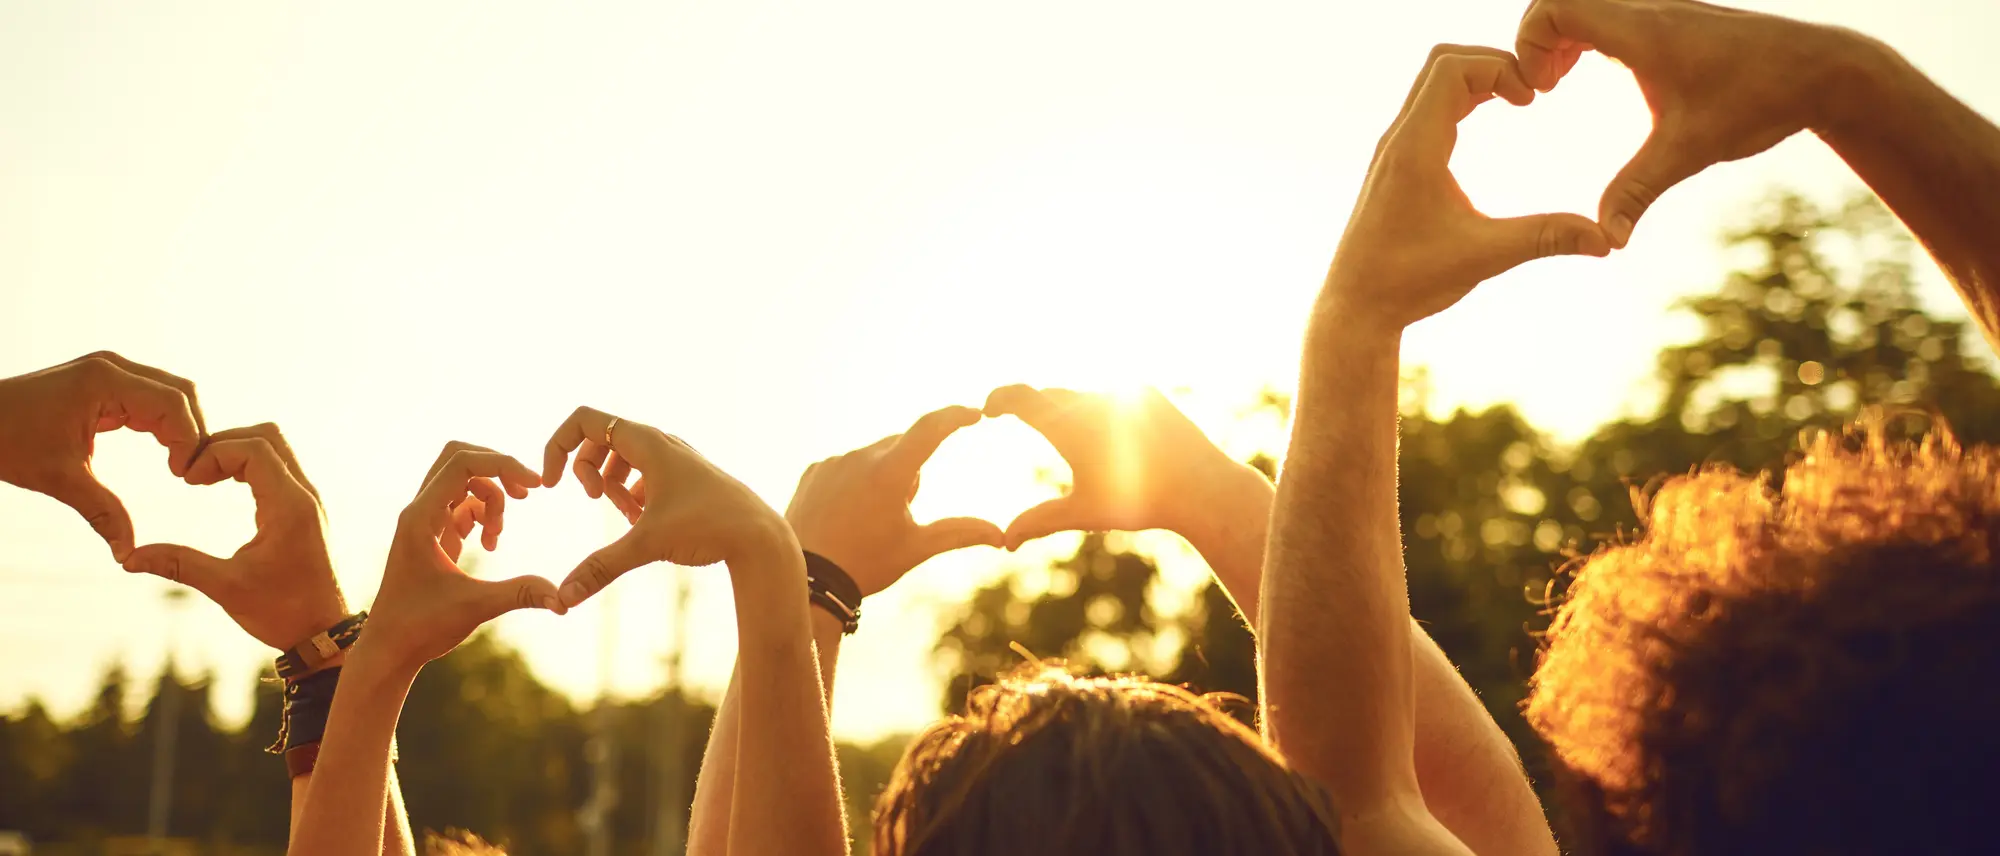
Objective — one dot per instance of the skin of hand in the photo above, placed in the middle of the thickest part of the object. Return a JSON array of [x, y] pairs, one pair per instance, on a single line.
[[854, 509], [1722, 84], [703, 516], [1335, 603], [427, 605], [280, 586], [1136, 464], [769, 781], [52, 419]]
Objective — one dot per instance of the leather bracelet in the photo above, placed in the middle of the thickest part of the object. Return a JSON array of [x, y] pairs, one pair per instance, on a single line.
[[830, 588], [314, 652], [308, 700]]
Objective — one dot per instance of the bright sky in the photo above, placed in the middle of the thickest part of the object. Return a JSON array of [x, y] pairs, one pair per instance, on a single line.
[[778, 230]]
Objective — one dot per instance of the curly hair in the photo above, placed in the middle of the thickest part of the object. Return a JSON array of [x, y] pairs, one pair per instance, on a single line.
[[1050, 763], [1804, 667]]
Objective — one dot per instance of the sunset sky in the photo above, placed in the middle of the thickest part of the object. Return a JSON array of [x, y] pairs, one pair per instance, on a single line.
[[778, 230]]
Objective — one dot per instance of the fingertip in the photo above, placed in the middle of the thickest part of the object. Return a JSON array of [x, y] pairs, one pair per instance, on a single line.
[[1619, 230], [573, 593], [553, 605]]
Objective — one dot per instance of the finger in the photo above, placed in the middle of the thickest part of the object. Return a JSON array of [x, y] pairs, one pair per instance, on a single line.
[[918, 444], [1659, 165], [444, 457], [270, 434], [616, 471], [1056, 515], [253, 461], [605, 565], [495, 598], [80, 490], [1026, 403], [957, 533], [489, 509], [146, 405], [1417, 86], [585, 424], [452, 483], [1553, 34], [1458, 82], [589, 467], [192, 568], [638, 497], [1515, 240], [452, 539], [179, 458]]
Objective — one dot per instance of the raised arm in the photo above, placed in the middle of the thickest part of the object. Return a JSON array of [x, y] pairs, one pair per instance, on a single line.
[[1725, 84], [853, 510], [1139, 463], [785, 792], [280, 587], [425, 607], [1338, 689]]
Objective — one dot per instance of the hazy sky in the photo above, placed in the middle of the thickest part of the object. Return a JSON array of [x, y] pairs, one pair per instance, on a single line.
[[778, 230]]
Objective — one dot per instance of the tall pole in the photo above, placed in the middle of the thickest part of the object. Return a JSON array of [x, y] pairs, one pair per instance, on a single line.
[[670, 824], [604, 793], [160, 804]]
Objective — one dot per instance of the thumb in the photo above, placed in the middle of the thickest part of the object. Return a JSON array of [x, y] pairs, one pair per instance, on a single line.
[[189, 567], [603, 566], [957, 533], [499, 597], [1660, 164], [1056, 515], [100, 508], [1518, 240]]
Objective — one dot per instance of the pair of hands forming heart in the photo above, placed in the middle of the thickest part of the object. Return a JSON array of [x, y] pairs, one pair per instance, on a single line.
[[1722, 84]]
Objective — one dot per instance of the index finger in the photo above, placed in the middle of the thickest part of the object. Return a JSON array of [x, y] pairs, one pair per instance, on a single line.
[[253, 461], [918, 444], [586, 423], [157, 409], [453, 482], [1457, 83], [171, 381], [1552, 34]]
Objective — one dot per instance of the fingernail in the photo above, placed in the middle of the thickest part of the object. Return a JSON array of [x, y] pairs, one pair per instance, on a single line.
[[551, 605], [121, 552], [572, 594], [1620, 228]]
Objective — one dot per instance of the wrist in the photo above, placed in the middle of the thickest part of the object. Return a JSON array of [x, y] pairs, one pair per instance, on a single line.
[[1849, 79], [379, 664]]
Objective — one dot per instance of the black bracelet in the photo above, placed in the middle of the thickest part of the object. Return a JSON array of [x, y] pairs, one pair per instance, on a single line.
[[307, 702], [322, 646], [830, 588]]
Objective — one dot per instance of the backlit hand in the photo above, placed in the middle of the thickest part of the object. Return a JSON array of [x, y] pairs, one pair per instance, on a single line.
[[427, 605], [854, 509], [50, 419], [1415, 245], [1723, 84], [280, 586], [1136, 463], [684, 510]]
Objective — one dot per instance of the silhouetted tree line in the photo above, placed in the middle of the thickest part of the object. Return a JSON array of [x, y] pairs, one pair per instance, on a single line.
[[1492, 508]]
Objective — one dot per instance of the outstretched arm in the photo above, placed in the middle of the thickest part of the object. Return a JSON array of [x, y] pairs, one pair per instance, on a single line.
[[1338, 664], [1725, 84], [1142, 464]]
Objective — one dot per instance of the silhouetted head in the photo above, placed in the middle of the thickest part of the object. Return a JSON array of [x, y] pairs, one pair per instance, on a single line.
[[1048, 763], [1812, 667]]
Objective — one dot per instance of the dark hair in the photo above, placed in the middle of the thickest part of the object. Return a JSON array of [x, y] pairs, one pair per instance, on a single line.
[[1046, 762], [1811, 668]]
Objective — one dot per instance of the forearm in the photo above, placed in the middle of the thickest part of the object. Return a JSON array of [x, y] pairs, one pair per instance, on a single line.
[[786, 794], [349, 793], [1337, 689], [1470, 776], [1231, 535], [397, 839], [708, 826], [1932, 159]]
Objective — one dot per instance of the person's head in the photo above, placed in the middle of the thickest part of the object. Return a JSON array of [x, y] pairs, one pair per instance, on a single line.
[[1046, 762], [1806, 667]]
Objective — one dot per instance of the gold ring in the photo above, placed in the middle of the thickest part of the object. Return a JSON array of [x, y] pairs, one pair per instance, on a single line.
[[607, 431]]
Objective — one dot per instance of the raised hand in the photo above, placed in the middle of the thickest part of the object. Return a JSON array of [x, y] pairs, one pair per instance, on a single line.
[[1136, 464], [280, 586], [854, 509], [1723, 84], [49, 421], [683, 509], [1415, 244], [427, 605]]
